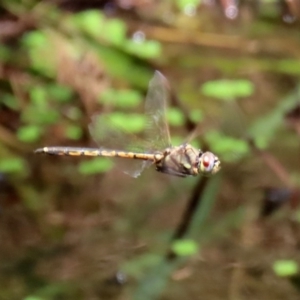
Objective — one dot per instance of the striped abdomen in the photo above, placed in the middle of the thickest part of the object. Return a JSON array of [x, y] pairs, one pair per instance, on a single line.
[[73, 151]]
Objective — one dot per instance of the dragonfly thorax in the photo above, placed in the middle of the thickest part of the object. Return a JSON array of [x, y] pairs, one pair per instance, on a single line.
[[185, 160]]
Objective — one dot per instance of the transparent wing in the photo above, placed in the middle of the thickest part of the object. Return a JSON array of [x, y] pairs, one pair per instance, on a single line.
[[110, 135], [157, 131], [113, 136]]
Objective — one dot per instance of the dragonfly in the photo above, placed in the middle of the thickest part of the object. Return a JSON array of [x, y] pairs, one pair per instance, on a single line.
[[153, 149]]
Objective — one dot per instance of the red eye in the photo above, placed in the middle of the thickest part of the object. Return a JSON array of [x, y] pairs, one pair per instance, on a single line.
[[206, 161], [207, 164]]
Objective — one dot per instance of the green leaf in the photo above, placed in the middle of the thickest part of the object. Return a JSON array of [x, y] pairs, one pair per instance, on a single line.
[[38, 96], [37, 115], [284, 268], [10, 101], [73, 132], [198, 227], [175, 116], [265, 128], [39, 47], [133, 123], [29, 133], [122, 66], [185, 247], [137, 266], [114, 31], [228, 89], [95, 165], [229, 148], [94, 23], [183, 4], [196, 115], [59, 92], [34, 39], [90, 21], [121, 98], [12, 165], [155, 280], [5, 53], [33, 298], [289, 66], [144, 49]]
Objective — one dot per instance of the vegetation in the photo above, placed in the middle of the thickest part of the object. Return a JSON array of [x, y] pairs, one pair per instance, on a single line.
[[77, 227]]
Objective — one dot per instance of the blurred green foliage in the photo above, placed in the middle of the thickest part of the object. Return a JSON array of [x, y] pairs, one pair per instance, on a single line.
[[264, 129], [229, 148], [285, 268], [60, 67], [184, 4], [40, 114], [196, 115], [114, 32], [4, 53], [140, 265], [12, 165], [29, 134], [143, 48], [134, 122], [94, 24], [74, 132], [59, 93], [154, 282], [94, 166], [185, 247], [38, 46], [175, 117], [10, 101], [121, 98], [228, 89]]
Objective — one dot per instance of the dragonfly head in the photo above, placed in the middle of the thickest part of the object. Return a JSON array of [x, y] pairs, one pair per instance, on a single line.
[[208, 163]]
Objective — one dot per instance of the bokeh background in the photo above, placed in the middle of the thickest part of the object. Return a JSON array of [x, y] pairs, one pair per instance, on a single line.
[[79, 228]]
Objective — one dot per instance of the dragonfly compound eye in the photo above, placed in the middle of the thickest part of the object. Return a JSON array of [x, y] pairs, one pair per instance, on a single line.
[[209, 163]]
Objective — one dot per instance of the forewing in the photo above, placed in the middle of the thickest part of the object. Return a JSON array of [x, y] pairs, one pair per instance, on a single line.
[[157, 131], [111, 136]]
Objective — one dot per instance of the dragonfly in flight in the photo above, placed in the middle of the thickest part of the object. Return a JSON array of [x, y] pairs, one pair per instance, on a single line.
[[154, 149]]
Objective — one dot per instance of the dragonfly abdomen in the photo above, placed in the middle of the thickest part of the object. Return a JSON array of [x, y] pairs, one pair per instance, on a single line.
[[69, 151], [78, 151]]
